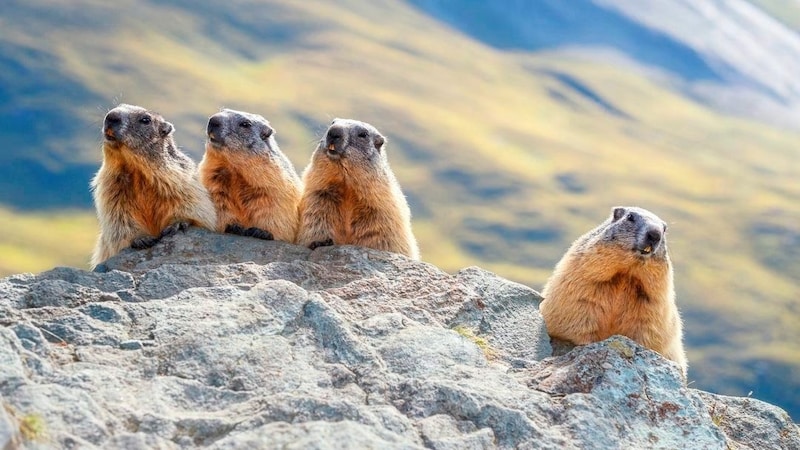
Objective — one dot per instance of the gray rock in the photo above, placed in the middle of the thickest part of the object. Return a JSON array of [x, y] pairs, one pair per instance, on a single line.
[[218, 341], [751, 423], [9, 431]]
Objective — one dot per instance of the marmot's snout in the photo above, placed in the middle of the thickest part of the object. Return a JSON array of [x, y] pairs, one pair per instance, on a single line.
[[335, 142], [112, 125], [649, 241], [214, 128]]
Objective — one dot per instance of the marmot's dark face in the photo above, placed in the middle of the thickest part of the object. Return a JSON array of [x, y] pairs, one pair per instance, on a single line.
[[138, 129], [353, 144], [241, 131], [637, 230]]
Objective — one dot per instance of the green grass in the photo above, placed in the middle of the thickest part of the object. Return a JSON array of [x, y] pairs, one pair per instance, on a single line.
[[481, 140]]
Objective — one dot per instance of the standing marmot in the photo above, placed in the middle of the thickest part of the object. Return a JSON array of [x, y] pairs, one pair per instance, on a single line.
[[351, 195], [146, 188], [617, 279], [253, 185]]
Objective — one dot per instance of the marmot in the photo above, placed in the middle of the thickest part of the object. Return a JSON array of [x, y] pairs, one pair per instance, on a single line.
[[254, 186], [146, 187], [617, 279], [351, 195]]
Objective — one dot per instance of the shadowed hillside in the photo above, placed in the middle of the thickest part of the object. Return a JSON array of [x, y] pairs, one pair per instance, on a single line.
[[506, 153]]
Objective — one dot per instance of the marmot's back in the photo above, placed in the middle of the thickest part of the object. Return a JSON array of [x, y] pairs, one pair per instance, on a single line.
[[617, 279], [351, 195]]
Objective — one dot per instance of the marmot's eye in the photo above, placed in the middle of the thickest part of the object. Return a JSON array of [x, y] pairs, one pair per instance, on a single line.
[[145, 120], [362, 134], [631, 218], [245, 124]]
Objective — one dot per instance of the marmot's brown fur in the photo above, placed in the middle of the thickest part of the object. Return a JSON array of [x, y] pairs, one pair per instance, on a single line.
[[351, 195], [146, 187], [617, 279], [254, 186]]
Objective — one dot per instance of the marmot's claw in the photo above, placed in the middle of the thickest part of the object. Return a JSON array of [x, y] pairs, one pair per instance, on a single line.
[[255, 232], [174, 228], [324, 243], [258, 233], [143, 242], [235, 228]]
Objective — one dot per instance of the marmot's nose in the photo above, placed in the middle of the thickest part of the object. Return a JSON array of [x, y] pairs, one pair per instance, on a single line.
[[334, 140], [214, 125], [113, 118], [111, 124], [652, 238], [335, 135]]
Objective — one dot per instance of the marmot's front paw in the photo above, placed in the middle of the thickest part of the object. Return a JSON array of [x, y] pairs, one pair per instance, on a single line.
[[174, 228], [325, 243], [143, 242], [258, 233], [235, 228], [255, 232]]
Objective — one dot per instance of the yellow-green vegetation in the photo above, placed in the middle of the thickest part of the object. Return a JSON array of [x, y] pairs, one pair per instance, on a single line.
[[623, 349], [488, 351], [503, 159], [32, 242], [31, 426]]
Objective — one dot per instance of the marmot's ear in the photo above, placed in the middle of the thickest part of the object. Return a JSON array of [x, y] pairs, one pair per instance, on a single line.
[[618, 212], [379, 141], [165, 129]]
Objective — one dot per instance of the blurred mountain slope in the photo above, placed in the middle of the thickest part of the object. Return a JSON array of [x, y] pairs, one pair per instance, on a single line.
[[731, 54]]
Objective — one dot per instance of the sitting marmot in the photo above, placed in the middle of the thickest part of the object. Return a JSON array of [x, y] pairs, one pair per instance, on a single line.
[[253, 184], [617, 279], [351, 195], [146, 188]]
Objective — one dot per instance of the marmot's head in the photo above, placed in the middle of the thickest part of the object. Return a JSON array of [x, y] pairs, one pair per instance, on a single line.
[[136, 128], [636, 230], [239, 131], [352, 144]]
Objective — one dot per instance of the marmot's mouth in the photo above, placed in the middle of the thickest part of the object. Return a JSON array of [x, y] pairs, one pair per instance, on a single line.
[[109, 135], [332, 152], [215, 139], [648, 251]]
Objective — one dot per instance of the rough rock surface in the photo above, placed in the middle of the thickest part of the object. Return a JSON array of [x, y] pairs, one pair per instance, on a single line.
[[229, 342]]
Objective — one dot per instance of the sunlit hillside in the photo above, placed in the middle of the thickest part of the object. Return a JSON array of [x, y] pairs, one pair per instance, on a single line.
[[506, 156]]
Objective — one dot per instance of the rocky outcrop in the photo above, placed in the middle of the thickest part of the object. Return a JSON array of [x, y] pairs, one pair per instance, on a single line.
[[227, 342]]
